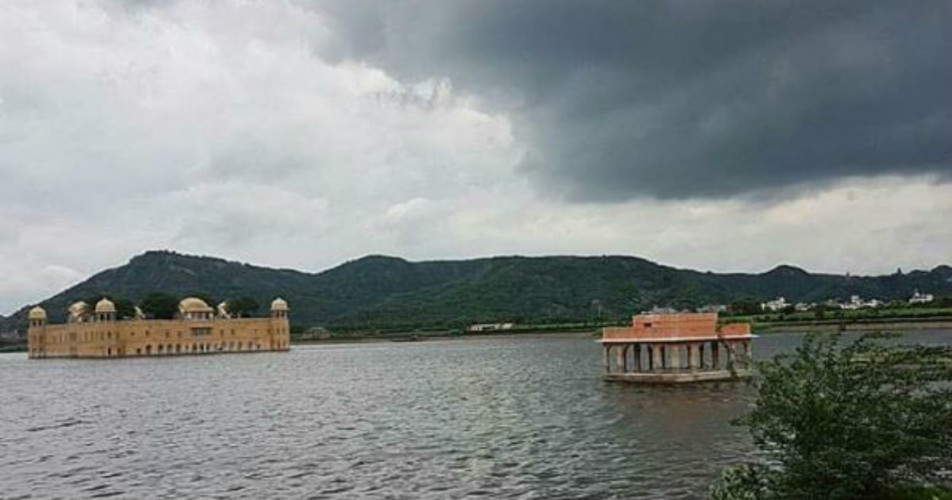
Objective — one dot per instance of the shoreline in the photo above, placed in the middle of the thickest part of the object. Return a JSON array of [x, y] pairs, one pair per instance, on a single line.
[[439, 337], [759, 329], [767, 328], [858, 326]]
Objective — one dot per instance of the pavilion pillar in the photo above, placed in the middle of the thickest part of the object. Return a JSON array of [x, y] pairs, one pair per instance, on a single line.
[[608, 358], [657, 357], [732, 355], [700, 355], [637, 355], [694, 356], [715, 356], [620, 358], [748, 355], [674, 356]]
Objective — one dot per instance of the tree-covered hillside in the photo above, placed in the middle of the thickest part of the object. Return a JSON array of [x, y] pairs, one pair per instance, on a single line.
[[379, 291]]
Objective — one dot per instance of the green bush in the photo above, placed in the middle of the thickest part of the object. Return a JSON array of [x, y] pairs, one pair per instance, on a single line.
[[863, 420]]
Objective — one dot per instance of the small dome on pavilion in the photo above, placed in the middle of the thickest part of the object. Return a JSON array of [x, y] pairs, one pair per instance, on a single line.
[[37, 313], [279, 304], [105, 306]]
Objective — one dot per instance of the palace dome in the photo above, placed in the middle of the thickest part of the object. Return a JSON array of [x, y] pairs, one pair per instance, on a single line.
[[193, 304], [105, 306], [279, 304], [37, 313]]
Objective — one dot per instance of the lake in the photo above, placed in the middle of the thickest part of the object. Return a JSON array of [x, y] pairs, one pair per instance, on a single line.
[[494, 417]]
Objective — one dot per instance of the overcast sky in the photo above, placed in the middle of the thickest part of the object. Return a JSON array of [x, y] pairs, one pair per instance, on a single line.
[[730, 136]]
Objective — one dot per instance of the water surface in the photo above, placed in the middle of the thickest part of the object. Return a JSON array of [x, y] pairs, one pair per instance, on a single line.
[[497, 417]]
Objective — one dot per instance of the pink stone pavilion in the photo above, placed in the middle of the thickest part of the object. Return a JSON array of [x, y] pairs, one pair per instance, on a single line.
[[676, 348]]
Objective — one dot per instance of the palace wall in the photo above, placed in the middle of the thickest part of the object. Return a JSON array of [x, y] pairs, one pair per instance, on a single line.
[[101, 339]]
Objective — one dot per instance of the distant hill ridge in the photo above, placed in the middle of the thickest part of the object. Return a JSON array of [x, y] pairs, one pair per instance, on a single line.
[[382, 291]]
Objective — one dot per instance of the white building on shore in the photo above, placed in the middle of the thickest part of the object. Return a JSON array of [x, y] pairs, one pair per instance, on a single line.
[[921, 298], [489, 327], [856, 302], [775, 305]]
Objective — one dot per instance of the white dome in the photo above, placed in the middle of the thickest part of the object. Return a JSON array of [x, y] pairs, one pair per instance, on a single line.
[[279, 304], [37, 313], [105, 306], [193, 304]]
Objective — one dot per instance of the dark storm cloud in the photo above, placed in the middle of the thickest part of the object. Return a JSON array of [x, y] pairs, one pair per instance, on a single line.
[[686, 99]]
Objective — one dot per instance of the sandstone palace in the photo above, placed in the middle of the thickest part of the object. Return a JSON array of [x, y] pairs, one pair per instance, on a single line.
[[197, 329]]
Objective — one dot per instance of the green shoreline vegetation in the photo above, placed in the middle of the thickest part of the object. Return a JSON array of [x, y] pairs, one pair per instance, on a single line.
[[895, 318], [759, 325], [344, 334], [889, 318]]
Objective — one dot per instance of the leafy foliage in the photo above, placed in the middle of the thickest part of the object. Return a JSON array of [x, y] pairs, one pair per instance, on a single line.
[[745, 307], [243, 306], [844, 422], [743, 482], [125, 308], [160, 305]]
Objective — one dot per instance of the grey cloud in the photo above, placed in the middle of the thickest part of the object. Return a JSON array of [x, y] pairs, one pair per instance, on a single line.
[[684, 99], [247, 130]]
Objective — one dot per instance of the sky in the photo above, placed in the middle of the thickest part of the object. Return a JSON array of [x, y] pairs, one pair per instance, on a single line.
[[724, 136]]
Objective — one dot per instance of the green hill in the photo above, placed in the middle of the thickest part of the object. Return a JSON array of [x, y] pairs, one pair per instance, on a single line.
[[380, 291]]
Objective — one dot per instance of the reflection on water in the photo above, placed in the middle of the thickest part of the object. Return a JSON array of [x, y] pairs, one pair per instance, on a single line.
[[496, 417]]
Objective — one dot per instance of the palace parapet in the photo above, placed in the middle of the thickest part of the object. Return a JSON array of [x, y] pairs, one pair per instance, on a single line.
[[196, 330]]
